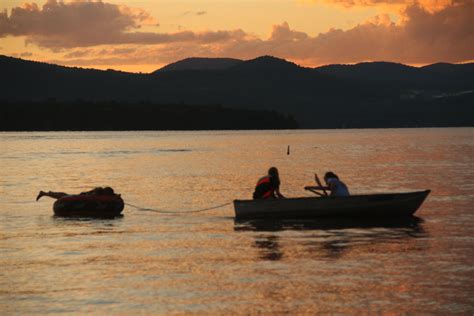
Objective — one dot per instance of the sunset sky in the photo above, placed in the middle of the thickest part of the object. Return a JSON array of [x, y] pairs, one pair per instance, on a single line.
[[144, 35]]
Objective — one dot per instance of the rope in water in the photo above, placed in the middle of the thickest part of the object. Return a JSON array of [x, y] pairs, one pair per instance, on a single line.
[[177, 212]]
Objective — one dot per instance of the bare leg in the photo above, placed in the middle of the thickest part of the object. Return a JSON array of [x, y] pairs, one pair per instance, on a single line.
[[54, 195]]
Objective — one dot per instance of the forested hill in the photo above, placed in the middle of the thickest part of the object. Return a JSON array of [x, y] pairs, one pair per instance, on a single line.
[[363, 95]]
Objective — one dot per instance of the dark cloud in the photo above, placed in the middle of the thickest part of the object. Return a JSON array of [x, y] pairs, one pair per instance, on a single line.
[[78, 53], [118, 51], [95, 53], [81, 24]]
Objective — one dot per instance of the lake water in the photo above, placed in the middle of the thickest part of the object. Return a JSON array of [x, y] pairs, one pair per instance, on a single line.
[[206, 263]]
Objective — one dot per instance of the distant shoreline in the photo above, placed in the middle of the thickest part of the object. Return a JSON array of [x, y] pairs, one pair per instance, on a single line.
[[121, 116], [31, 116]]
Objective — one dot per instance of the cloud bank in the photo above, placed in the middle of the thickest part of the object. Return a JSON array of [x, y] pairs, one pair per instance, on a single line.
[[421, 37], [428, 5], [98, 33], [78, 23]]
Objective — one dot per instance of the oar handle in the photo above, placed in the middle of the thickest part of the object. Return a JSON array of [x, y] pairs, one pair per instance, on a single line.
[[320, 184]]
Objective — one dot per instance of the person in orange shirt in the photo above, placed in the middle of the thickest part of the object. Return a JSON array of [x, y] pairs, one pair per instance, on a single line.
[[268, 186]]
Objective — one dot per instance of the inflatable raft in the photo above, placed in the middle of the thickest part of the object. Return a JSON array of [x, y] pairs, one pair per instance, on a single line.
[[83, 205]]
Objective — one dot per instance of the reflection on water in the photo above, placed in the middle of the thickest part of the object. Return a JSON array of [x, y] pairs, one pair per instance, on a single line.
[[88, 225], [330, 237], [410, 223], [208, 264], [271, 249]]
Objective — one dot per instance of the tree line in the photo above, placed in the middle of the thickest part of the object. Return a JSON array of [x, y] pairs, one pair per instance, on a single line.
[[51, 115]]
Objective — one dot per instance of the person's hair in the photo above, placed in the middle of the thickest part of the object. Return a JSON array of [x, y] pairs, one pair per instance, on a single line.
[[330, 174], [273, 172], [108, 191], [98, 191]]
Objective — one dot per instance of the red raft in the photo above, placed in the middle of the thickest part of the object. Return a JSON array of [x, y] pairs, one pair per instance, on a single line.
[[101, 206]]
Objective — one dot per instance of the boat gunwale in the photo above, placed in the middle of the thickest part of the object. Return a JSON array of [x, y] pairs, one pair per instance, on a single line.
[[414, 193]]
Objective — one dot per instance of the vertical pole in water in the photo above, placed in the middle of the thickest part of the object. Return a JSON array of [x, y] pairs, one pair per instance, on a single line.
[[288, 150]]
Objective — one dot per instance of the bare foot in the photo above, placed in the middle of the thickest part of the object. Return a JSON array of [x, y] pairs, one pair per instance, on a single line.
[[40, 194]]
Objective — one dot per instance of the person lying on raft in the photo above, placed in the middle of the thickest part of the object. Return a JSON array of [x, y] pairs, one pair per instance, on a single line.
[[268, 186], [336, 186], [95, 191]]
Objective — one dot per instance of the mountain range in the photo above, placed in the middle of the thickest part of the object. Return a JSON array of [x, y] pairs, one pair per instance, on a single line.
[[375, 94]]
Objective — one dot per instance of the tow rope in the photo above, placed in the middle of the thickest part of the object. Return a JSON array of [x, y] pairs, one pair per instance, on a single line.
[[177, 211]]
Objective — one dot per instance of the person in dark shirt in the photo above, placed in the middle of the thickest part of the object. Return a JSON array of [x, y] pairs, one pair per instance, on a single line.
[[268, 186]]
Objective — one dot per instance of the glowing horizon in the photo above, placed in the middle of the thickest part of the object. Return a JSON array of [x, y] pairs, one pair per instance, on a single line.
[[142, 36]]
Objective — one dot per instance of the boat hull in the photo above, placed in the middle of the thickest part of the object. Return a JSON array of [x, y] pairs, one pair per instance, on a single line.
[[89, 206], [374, 205]]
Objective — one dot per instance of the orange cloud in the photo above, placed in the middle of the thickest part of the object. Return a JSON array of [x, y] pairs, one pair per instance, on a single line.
[[422, 37], [112, 37], [428, 5]]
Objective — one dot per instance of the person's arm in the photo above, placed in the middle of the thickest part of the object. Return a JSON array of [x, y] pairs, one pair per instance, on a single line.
[[276, 191], [278, 194], [331, 186]]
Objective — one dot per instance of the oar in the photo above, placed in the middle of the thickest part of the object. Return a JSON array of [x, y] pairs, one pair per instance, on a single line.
[[320, 184], [313, 189]]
